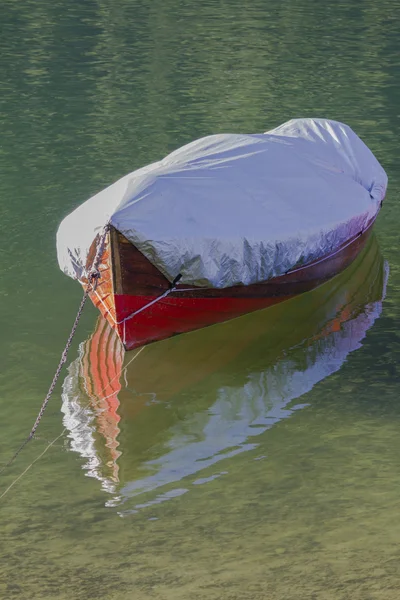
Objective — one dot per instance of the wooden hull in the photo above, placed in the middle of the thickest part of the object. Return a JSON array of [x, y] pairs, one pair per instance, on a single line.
[[130, 282]]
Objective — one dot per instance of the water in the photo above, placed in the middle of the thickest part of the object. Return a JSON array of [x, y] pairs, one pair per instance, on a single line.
[[257, 459]]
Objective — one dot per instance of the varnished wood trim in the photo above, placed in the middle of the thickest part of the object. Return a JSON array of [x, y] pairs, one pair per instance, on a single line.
[[116, 275], [134, 274], [103, 297]]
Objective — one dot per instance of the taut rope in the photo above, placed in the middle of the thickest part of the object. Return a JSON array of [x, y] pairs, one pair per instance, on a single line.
[[93, 277], [50, 444]]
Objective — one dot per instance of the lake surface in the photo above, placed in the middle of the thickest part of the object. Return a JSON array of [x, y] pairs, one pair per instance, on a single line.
[[255, 459]]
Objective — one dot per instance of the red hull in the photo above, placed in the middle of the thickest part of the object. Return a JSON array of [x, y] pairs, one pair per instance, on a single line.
[[130, 282], [171, 316]]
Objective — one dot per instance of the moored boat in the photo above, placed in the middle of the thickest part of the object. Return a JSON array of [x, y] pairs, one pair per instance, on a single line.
[[224, 226]]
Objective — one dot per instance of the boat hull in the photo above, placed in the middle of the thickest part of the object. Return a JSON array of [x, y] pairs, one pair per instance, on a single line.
[[129, 283]]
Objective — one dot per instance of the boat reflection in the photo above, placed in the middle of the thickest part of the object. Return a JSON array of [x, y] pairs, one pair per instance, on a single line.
[[146, 420]]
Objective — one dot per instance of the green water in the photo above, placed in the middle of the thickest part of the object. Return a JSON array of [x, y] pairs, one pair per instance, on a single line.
[[255, 460]]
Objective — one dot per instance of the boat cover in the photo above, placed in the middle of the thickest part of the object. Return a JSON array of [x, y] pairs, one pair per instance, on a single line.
[[235, 209]]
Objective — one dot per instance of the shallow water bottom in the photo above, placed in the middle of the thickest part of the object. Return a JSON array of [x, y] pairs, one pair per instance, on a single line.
[[310, 512]]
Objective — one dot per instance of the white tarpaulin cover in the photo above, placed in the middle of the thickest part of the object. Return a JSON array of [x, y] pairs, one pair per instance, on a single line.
[[237, 209]]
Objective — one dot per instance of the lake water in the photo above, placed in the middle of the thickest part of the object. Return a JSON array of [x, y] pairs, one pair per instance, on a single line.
[[258, 459]]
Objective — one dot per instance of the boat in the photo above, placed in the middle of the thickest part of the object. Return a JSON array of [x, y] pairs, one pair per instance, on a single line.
[[224, 226], [143, 420]]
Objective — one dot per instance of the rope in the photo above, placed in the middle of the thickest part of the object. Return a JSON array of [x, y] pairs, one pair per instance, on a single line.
[[31, 465], [50, 444], [93, 277], [136, 312], [123, 321], [141, 310], [146, 306]]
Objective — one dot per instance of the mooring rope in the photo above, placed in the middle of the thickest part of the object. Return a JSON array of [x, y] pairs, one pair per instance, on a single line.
[[50, 444], [93, 277], [123, 321]]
